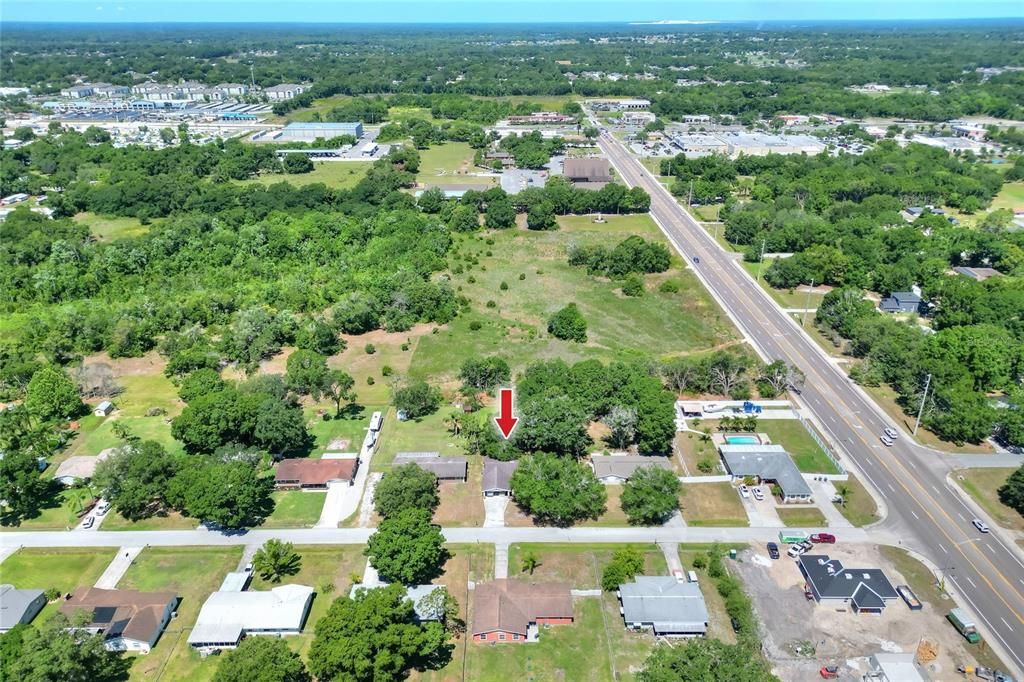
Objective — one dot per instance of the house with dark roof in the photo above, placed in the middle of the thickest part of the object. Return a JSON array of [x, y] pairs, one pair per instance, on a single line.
[[865, 590], [612, 469], [19, 606], [588, 170], [977, 274], [497, 479], [127, 619], [767, 463], [445, 468], [664, 605], [512, 610], [314, 474], [901, 302]]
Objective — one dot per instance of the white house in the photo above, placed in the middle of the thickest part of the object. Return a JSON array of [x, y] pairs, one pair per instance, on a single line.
[[228, 616]]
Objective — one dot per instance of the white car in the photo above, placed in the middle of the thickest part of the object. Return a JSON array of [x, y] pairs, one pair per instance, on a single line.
[[102, 508], [795, 551], [886, 441], [758, 494], [980, 525], [744, 491], [892, 433]]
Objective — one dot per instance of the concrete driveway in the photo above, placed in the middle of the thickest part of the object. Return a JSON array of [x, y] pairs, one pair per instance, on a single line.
[[494, 510], [762, 514]]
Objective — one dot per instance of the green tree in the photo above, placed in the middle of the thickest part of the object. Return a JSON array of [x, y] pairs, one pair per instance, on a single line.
[[442, 606], [280, 427], [1011, 493], [11, 643], [568, 324], [135, 478], [552, 424], [52, 395], [633, 285], [234, 494], [21, 488], [485, 373], [55, 653], [307, 373], [705, 660], [407, 548], [529, 562], [405, 487], [431, 200], [276, 559], [464, 219], [417, 399], [261, 659], [557, 490], [650, 496], [374, 637], [338, 387], [623, 567], [297, 163], [500, 214], [541, 216], [199, 383]]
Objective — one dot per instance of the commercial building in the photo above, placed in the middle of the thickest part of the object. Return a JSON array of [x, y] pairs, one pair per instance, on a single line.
[[314, 474], [19, 606], [127, 619], [890, 667], [697, 145], [864, 590], [497, 479], [637, 118], [768, 464], [589, 170], [619, 104], [311, 130], [446, 469], [541, 118], [762, 144], [512, 610], [619, 468], [664, 605], [229, 615], [77, 91]]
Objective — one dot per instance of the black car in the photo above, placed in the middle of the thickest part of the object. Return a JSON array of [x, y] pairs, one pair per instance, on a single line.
[[773, 550], [735, 624]]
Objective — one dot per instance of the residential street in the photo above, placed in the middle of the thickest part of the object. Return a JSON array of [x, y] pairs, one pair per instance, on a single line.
[[911, 479]]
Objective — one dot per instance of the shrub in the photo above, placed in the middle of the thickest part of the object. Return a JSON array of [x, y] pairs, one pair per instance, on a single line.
[[471, 279], [503, 286], [475, 326], [370, 349], [386, 371], [568, 324], [699, 562], [492, 304], [370, 381], [522, 276], [669, 286], [633, 286]]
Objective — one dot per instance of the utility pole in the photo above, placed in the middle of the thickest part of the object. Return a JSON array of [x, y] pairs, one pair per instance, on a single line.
[[689, 198], [920, 411], [760, 263], [807, 303]]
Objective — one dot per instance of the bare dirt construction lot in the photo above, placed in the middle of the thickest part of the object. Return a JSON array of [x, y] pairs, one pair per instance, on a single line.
[[800, 636]]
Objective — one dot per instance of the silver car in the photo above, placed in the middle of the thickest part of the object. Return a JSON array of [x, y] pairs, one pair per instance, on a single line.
[[886, 441], [892, 433]]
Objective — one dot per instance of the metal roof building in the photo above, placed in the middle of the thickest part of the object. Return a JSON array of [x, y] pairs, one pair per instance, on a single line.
[[665, 605], [308, 131], [619, 468], [227, 616]]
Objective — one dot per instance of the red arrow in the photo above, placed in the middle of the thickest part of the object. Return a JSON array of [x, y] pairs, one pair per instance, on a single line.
[[505, 421]]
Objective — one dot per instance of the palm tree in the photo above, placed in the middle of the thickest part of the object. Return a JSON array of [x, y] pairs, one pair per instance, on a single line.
[[530, 562], [276, 559], [844, 491]]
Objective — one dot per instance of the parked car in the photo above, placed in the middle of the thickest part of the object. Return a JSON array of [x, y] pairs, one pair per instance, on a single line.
[[891, 432], [102, 508], [886, 441], [829, 672], [758, 493], [823, 538], [796, 550], [773, 550], [89, 521], [807, 545], [980, 525], [744, 491], [677, 574]]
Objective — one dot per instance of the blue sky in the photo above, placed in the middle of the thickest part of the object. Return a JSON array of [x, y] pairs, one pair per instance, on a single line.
[[486, 11]]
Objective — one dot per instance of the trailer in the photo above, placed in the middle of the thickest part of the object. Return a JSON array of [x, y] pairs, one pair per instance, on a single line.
[[792, 537], [908, 596]]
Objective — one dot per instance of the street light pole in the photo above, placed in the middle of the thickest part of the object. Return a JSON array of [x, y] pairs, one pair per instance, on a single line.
[[760, 263], [807, 303], [920, 411]]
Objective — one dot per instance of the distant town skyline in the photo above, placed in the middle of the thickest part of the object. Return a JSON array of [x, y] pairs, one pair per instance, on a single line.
[[484, 11]]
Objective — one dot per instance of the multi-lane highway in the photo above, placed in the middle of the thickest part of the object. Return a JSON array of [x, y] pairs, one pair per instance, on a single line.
[[986, 572]]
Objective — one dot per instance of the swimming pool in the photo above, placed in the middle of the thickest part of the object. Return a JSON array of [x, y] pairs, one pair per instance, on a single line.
[[742, 440]]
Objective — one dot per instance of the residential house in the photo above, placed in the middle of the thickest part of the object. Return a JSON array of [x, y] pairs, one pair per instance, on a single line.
[[80, 467], [228, 616], [766, 463], [619, 468], [665, 605], [865, 590], [127, 619], [497, 479], [19, 606], [901, 302], [446, 469], [77, 91], [512, 611], [977, 274], [314, 474], [590, 170]]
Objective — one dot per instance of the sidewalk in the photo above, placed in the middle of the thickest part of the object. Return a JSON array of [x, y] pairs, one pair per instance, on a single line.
[[118, 567], [500, 560]]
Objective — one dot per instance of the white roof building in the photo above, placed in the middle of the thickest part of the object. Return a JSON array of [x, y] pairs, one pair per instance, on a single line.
[[226, 617]]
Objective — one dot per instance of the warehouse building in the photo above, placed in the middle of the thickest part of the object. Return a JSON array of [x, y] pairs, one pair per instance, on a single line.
[[310, 131]]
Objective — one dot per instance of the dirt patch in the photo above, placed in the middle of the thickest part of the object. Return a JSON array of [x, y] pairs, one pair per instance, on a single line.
[[150, 363], [339, 445], [801, 635], [598, 432], [383, 337]]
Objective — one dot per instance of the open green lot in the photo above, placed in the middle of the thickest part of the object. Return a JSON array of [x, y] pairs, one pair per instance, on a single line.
[[334, 174], [806, 453], [59, 512], [1011, 196], [295, 509], [108, 228], [802, 517], [712, 504], [462, 503], [169, 521], [787, 298], [65, 569], [695, 448], [580, 565], [429, 434], [451, 162], [982, 485], [619, 328], [859, 507]]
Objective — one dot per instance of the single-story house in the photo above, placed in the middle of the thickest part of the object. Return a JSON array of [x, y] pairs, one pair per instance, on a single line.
[[446, 469], [866, 590], [19, 606], [104, 408], [127, 619], [619, 468], [912, 213], [768, 463], [512, 610], [664, 605], [587, 170], [80, 467], [977, 274], [497, 478], [414, 593], [901, 302], [888, 667], [226, 617], [314, 474]]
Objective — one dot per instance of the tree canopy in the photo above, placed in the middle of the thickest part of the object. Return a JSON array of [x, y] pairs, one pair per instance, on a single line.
[[405, 487], [261, 659], [407, 548], [557, 490]]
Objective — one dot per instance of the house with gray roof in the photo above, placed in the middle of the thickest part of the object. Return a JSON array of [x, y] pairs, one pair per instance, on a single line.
[[19, 606], [664, 605], [768, 463], [497, 478], [901, 302], [611, 469], [865, 590], [445, 468]]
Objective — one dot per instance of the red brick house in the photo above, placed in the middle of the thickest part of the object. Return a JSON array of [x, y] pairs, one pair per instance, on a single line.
[[314, 474], [512, 611]]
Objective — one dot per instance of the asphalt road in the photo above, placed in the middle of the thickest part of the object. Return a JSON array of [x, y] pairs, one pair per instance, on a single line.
[[929, 517]]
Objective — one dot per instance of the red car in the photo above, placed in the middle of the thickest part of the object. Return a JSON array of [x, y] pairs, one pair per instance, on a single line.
[[823, 538]]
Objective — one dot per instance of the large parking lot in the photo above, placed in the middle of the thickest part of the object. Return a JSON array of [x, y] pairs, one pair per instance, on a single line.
[[801, 636]]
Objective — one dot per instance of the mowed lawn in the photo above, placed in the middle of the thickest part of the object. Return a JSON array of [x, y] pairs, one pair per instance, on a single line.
[[859, 507], [810, 517], [193, 573], [334, 174], [65, 569], [428, 434], [792, 435], [109, 228], [1011, 196], [513, 322], [580, 565], [983, 486], [712, 504], [451, 162], [295, 509]]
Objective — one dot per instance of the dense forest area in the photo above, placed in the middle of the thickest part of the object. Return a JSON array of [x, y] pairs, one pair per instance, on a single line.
[[740, 72]]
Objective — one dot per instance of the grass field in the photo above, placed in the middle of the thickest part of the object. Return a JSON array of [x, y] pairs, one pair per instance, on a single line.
[[791, 434], [65, 569], [982, 484], [712, 504], [1011, 196], [619, 328], [580, 565], [860, 508], [108, 228], [787, 298], [802, 516], [694, 449], [719, 626], [59, 513], [320, 106], [429, 434], [170, 521], [613, 515], [462, 503], [334, 174], [192, 573], [450, 163], [295, 509]]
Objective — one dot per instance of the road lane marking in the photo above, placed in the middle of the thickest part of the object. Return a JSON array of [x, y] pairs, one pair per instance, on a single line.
[[973, 584], [936, 490], [962, 518], [946, 551], [912, 513], [890, 486], [1008, 626]]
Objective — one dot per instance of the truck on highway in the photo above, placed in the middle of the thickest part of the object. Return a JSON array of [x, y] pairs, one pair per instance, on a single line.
[[792, 537], [964, 625]]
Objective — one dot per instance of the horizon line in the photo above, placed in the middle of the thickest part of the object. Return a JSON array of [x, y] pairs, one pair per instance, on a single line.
[[668, 23]]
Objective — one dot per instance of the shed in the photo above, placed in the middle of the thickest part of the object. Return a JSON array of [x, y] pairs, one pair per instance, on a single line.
[[104, 408]]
